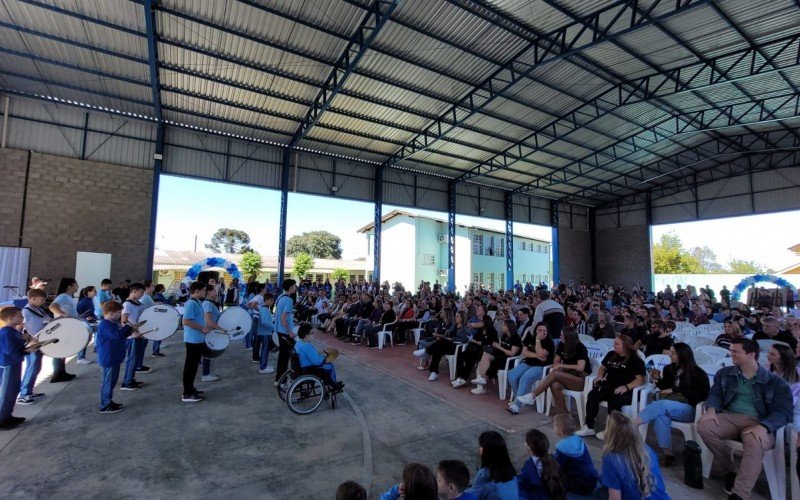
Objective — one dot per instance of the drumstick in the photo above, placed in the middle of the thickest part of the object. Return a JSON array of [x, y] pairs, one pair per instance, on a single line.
[[149, 331]]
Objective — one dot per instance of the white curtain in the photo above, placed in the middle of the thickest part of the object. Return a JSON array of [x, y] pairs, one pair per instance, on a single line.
[[13, 271]]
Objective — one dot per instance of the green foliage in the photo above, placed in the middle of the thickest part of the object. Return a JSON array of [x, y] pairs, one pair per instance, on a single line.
[[302, 263], [707, 260], [318, 244], [340, 273], [741, 266], [228, 240], [669, 257], [250, 265]]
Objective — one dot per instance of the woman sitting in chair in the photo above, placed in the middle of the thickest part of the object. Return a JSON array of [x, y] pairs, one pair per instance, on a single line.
[[310, 359], [732, 331], [682, 385]]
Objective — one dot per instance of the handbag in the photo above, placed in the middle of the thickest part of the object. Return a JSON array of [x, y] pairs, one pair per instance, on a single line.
[[693, 465]]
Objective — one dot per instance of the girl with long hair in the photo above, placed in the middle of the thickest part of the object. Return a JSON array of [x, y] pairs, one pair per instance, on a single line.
[[629, 467], [495, 355], [540, 477], [783, 363], [419, 483], [496, 477], [681, 386], [732, 331], [538, 351]]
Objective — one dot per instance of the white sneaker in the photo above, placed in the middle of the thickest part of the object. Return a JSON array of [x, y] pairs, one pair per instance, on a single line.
[[513, 408], [433, 376], [85, 361], [479, 380], [584, 431], [210, 378], [479, 390], [419, 353], [601, 435], [459, 382], [526, 399], [268, 369]]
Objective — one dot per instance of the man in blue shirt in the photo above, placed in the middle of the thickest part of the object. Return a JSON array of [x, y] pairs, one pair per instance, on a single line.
[[284, 326], [194, 331], [310, 358]]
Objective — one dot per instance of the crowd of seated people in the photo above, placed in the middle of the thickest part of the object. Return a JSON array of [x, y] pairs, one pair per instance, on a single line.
[[494, 328]]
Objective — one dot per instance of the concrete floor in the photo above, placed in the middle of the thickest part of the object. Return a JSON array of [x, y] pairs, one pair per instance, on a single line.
[[244, 442]]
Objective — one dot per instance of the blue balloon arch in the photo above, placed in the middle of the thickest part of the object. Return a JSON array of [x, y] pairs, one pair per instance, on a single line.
[[759, 278], [227, 265]]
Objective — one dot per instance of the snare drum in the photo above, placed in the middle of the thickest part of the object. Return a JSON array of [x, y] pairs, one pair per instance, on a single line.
[[73, 336], [216, 343], [162, 322], [236, 322]]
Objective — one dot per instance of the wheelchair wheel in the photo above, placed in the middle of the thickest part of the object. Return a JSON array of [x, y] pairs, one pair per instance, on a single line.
[[283, 384], [305, 394]]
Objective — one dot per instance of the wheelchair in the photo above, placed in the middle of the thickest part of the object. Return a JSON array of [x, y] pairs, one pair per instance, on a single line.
[[304, 389]]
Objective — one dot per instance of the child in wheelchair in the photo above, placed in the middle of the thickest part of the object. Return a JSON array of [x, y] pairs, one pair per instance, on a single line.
[[311, 360]]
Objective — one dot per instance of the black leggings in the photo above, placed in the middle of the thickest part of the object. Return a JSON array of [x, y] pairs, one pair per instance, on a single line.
[[467, 361], [438, 349], [193, 354], [604, 393]]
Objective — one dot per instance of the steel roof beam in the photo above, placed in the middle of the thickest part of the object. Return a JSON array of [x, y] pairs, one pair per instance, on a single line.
[[357, 46], [553, 46], [152, 50], [645, 88]]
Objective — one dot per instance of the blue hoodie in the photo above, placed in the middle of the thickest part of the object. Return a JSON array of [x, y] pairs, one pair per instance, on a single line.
[[530, 482], [485, 489], [572, 455]]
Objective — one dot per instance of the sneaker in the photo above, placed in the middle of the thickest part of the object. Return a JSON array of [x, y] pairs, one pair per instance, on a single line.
[[110, 409], [418, 353], [255, 360], [730, 479], [198, 393], [422, 368], [192, 398], [601, 435], [268, 369], [210, 378], [38, 394], [18, 420], [459, 382], [433, 376], [26, 400], [132, 386], [479, 380], [248, 348], [9, 424], [584, 432], [144, 369], [513, 408], [66, 377], [478, 390], [85, 361], [116, 405], [159, 355], [526, 399]]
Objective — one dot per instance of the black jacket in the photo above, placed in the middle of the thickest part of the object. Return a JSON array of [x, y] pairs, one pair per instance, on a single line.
[[695, 392]]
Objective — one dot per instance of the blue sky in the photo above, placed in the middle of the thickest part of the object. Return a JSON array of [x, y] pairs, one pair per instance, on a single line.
[[763, 238]]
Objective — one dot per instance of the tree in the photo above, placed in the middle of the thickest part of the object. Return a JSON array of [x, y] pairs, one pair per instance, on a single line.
[[669, 257], [741, 266], [228, 240], [340, 273], [302, 263], [250, 265], [317, 244], [707, 260]]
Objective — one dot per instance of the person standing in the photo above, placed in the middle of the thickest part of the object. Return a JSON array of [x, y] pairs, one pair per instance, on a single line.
[[63, 306], [194, 331], [35, 318], [284, 326], [131, 310], [211, 315], [749, 404]]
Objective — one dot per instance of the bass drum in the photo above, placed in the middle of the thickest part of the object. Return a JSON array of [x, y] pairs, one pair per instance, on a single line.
[[236, 322], [71, 335], [216, 343], [162, 322]]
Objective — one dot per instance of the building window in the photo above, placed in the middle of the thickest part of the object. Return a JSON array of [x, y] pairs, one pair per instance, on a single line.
[[477, 244], [475, 281], [490, 249], [501, 281], [491, 280], [501, 251], [428, 259], [480, 278]]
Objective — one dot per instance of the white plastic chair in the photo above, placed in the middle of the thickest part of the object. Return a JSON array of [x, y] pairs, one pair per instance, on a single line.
[[718, 353], [417, 331], [774, 462], [681, 336], [385, 333], [606, 342], [597, 350], [698, 341], [585, 338], [452, 360], [659, 362], [702, 358], [682, 325], [502, 376], [491, 314], [794, 484], [579, 396], [764, 345]]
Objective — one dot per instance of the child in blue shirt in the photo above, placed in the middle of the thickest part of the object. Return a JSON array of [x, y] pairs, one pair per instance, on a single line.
[[496, 479], [35, 318], [573, 457], [452, 480], [112, 340], [310, 358], [418, 483], [12, 352], [540, 477], [266, 326]]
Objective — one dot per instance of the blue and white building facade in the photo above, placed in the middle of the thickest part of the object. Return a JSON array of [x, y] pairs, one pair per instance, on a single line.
[[414, 249]]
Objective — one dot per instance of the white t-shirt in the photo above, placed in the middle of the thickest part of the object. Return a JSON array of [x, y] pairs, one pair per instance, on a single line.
[[133, 310], [67, 304]]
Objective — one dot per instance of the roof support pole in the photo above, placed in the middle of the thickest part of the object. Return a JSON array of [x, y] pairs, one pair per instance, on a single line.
[[593, 243], [554, 224], [285, 173], [84, 134], [509, 213], [158, 154], [376, 240], [451, 236]]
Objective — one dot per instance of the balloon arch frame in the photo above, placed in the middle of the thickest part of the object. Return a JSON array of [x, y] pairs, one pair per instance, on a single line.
[[746, 283], [204, 264]]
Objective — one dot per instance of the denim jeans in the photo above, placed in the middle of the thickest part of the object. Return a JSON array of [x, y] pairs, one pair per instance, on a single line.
[[662, 413], [248, 339], [423, 344], [9, 388], [110, 377], [130, 361], [522, 377], [33, 365], [266, 346], [82, 354], [156, 347], [206, 364], [141, 347]]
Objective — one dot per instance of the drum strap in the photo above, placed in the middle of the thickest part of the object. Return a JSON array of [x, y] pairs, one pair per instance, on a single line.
[[134, 302], [37, 311]]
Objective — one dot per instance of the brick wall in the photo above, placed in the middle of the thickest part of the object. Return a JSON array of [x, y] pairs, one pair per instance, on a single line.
[[574, 255], [12, 173], [75, 205], [623, 256]]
